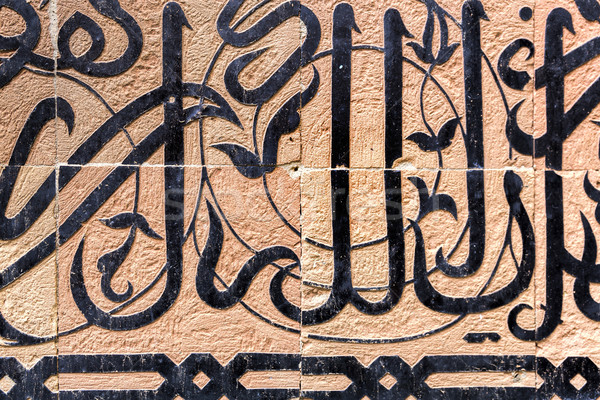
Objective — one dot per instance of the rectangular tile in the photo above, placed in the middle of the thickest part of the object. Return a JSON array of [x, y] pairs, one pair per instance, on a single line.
[[350, 310], [127, 287]]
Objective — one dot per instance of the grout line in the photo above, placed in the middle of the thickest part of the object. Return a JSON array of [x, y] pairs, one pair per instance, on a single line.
[[53, 30], [533, 162], [304, 168], [297, 164], [300, 171], [298, 168]]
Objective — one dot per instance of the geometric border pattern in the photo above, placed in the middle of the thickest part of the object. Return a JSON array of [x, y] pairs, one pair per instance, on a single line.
[[224, 380]]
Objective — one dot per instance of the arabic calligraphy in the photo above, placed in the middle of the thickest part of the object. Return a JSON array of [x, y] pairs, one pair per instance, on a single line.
[[401, 50]]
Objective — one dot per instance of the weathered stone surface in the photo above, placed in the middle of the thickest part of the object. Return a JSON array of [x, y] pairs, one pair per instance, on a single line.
[[299, 199]]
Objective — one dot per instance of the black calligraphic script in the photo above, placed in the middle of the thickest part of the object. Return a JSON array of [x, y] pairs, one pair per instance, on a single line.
[[322, 68]]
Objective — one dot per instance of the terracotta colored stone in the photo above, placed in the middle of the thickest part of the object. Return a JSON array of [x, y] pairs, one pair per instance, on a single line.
[[299, 199]]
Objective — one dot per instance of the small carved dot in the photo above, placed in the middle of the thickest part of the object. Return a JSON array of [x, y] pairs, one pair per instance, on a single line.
[[525, 13]]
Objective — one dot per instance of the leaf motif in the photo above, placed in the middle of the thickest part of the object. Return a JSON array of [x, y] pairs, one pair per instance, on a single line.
[[446, 133], [246, 162], [220, 108], [211, 252], [424, 141], [445, 53], [590, 190], [444, 202], [120, 221], [223, 110], [597, 123], [425, 52], [443, 26], [429, 203], [421, 52], [142, 224], [589, 9], [131, 220], [590, 248], [593, 194]]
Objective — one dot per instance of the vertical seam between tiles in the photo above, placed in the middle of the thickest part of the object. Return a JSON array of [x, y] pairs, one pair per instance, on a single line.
[[300, 270], [534, 125], [53, 31]]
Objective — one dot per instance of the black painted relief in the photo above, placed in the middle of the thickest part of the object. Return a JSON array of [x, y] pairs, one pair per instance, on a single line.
[[403, 52]]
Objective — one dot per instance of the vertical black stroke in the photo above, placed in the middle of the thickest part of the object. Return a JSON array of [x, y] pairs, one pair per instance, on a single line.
[[173, 22], [341, 93], [472, 13], [342, 290], [554, 274], [555, 87], [341, 64], [394, 30], [560, 124]]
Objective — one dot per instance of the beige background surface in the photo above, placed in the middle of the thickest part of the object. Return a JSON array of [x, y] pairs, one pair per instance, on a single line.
[[296, 212]]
